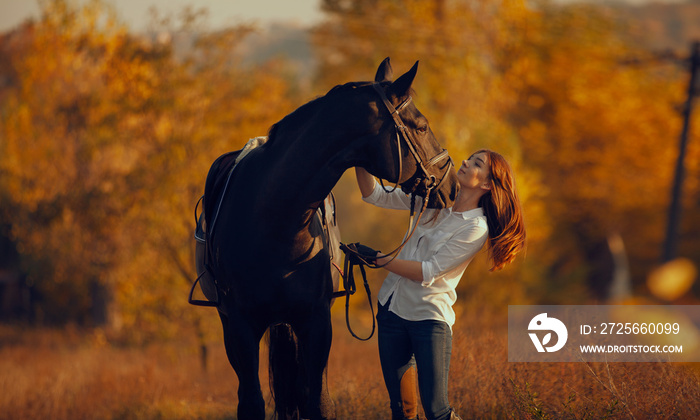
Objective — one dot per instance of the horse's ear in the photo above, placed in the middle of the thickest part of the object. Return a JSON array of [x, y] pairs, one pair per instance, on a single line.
[[384, 73], [401, 86]]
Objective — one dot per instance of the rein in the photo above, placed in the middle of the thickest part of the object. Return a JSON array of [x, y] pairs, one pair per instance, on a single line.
[[352, 256], [429, 180], [348, 275]]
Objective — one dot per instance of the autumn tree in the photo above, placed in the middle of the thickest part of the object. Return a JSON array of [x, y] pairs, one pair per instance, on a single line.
[[458, 88], [106, 138], [591, 138], [603, 133]]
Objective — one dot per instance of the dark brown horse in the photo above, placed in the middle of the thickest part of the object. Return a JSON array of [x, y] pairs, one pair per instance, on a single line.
[[269, 253]]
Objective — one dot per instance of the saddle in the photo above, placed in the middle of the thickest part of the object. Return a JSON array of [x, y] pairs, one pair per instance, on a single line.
[[218, 178], [215, 189]]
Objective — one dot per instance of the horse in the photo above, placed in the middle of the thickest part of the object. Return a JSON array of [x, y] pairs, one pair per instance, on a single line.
[[269, 253]]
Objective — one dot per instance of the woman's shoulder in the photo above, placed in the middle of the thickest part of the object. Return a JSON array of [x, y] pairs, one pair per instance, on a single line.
[[472, 221]]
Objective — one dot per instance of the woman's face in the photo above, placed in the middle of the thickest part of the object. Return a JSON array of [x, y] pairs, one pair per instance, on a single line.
[[474, 172]]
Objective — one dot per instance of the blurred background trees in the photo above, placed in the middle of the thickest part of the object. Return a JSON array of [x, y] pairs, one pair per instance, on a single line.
[[106, 141], [106, 137]]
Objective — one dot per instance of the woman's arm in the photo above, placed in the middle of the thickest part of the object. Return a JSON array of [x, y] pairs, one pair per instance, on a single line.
[[460, 248], [394, 199], [365, 181], [412, 270]]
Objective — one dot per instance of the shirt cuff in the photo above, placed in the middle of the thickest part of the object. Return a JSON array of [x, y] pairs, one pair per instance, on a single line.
[[428, 278]]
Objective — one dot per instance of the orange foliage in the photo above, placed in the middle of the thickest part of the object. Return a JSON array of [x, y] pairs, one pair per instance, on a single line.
[[592, 139], [106, 141], [106, 137]]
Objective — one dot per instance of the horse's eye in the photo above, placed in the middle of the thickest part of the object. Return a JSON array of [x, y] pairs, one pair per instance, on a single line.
[[422, 129]]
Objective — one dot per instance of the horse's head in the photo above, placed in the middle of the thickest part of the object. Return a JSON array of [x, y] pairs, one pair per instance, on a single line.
[[401, 147]]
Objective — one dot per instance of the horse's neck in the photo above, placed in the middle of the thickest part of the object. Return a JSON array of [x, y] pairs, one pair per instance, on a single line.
[[308, 168]]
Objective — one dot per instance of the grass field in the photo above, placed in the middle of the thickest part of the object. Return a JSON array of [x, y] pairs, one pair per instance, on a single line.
[[74, 374]]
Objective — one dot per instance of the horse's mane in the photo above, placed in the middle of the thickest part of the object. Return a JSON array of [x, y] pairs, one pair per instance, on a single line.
[[296, 117], [304, 113]]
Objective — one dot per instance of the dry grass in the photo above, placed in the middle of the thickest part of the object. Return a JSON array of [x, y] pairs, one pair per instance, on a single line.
[[59, 375], [69, 374]]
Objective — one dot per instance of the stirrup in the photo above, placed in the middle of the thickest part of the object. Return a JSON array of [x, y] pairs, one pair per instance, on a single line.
[[196, 302]]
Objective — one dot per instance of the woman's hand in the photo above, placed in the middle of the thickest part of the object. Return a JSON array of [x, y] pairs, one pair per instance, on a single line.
[[368, 254]]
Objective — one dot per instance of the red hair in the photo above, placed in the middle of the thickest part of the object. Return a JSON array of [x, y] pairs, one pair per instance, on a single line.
[[503, 213]]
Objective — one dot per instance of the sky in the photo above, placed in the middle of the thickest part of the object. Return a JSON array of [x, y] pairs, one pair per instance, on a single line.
[[135, 13]]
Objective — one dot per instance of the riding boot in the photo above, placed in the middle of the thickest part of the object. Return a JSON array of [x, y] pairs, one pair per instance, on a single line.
[[454, 416], [409, 396]]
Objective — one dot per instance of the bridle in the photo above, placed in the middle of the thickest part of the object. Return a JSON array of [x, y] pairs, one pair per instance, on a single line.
[[402, 131], [430, 182]]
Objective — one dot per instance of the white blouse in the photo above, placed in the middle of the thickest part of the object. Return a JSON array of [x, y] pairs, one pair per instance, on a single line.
[[444, 246]]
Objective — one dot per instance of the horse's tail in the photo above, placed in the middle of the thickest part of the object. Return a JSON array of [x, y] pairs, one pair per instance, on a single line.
[[285, 371]]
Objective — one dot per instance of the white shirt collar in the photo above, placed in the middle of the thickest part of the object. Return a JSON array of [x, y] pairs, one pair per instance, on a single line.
[[477, 212]]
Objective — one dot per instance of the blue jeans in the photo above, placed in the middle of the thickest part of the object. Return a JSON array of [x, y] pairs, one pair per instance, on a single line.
[[428, 345]]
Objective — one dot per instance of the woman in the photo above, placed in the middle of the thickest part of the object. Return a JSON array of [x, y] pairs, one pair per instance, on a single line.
[[415, 314]]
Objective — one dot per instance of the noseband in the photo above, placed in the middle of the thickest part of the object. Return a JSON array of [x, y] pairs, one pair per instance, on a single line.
[[430, 182]]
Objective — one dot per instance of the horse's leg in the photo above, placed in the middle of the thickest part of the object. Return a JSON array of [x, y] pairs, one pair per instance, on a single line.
[[315, 337], [242, 341]]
